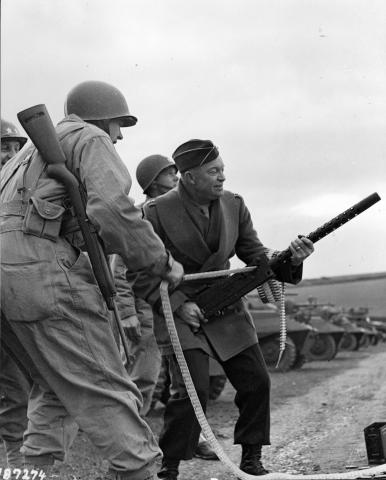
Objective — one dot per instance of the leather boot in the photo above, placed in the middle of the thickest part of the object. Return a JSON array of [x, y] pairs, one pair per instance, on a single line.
[[15, 459], [169, 469], [251, 460]]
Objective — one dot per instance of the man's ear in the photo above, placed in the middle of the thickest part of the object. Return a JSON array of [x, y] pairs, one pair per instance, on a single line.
[[189, 177]]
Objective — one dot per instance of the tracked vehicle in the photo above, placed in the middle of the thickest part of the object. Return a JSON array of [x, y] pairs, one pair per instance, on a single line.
[[299, 339], [329, 336]]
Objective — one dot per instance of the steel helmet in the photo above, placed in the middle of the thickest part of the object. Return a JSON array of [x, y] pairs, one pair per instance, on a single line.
[[149, 168], [94, 100], [9, 130]]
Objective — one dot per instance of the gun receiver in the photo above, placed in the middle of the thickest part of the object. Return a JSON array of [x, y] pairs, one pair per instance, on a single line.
[[227, 291]]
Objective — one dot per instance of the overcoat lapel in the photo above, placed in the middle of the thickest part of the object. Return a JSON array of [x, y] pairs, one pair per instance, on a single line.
[[186, 237], [227, 209], [180, 228]]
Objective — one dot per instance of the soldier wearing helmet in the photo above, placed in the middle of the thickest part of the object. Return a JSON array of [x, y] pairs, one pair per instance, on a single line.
[[156, 175], [11, 141], [14, 383], [101, 104], [52, 301]]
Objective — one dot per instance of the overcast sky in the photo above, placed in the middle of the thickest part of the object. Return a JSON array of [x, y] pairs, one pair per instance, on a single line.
[[293, 93]]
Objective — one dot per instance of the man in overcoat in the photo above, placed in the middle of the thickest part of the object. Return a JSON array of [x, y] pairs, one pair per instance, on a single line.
[[203, 226]]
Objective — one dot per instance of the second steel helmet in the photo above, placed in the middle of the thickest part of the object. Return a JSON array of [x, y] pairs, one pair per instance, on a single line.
[[10, 131], [95, 100], [149, 168]]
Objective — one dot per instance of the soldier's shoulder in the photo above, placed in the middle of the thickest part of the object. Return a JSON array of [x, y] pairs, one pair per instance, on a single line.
[[158, 206], [22, 156], [91, 131], [87, 131], [149, 204], [166, 198], [232, 196]]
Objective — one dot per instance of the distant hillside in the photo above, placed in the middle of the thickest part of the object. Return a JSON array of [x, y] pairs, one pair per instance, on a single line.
[[362, 290], [361, 277]]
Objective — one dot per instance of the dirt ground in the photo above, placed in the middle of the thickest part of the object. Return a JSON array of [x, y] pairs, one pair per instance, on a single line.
[[318, 416]]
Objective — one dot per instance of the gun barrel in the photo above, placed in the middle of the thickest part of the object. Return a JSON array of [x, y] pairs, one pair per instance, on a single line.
[[331, 225]]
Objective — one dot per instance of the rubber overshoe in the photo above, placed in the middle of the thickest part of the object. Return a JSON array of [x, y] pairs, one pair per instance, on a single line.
[[251, 460], [169, 469], [205, 451]]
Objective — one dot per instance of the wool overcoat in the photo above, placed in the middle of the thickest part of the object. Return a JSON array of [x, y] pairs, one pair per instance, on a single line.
[[229, 232]]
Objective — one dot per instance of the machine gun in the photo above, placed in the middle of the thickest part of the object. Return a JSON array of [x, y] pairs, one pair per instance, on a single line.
[[39, 127], [224, 292]]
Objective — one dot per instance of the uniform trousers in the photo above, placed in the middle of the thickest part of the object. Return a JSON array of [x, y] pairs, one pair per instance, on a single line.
[[145, 367], [14, 390], [247, 373], [53, 305]]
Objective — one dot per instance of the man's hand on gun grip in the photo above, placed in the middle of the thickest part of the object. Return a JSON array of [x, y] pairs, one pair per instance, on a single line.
[[301, 248], [191, 314], [174, 272]]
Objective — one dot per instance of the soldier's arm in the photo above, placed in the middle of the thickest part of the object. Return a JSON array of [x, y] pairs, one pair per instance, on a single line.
[[151, 292], [125, 296], [119, 223], [249, 247]]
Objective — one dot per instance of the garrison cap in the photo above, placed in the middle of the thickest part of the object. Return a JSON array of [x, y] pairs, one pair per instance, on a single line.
[[194, 153]]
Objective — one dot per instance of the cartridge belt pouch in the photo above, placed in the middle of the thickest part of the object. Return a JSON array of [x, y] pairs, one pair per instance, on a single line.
[[43, 219]]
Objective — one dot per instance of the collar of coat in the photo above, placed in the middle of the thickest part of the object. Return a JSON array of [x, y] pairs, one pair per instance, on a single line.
[[172, 212]]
